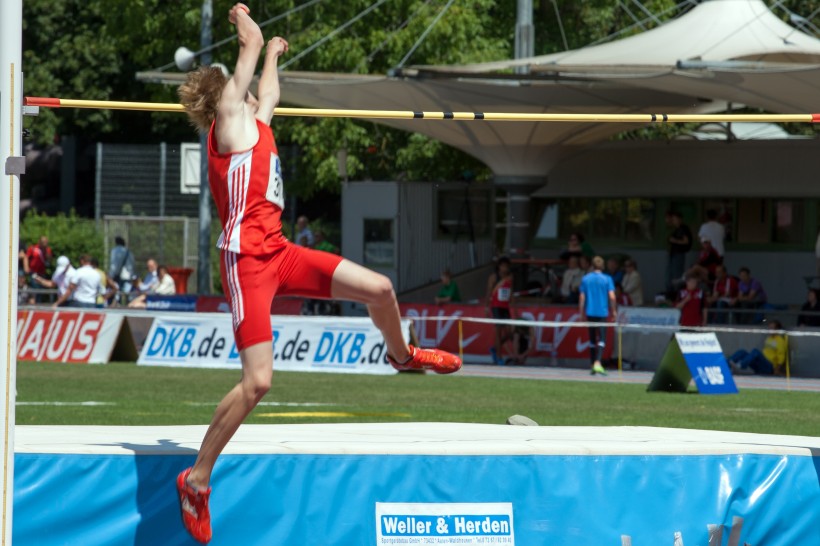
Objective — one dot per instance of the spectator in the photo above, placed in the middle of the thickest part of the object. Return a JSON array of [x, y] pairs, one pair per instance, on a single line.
[[121, 266], [621, 297], [37, 260], [164, 286], [304, 236], [596, 304], [810, 315], [571, 281], [83, 286], [39, 256], [448, 293], [577, 246], [706, 265], [323, 244], [521, 345], [680, 243], [724, 295], [691, 303], [770, 361], [751, 294], [713, 231], [60, 278], [109, 286], [613, 269], [150, 281], [632, 283], [585, 263], [499, 298]]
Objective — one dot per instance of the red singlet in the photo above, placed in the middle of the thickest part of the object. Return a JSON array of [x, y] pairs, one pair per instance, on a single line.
[[257, 261]]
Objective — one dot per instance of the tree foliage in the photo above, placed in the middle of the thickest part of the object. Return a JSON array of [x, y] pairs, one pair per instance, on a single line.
[[93, 48], [68, 234]]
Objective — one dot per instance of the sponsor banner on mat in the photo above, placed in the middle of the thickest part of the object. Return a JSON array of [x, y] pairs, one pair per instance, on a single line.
[[563, 341], [342, 345], [66, 336], [444, 523]]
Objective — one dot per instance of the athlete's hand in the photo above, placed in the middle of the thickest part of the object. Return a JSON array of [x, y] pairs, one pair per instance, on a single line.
[[233, 13], [277, 46]]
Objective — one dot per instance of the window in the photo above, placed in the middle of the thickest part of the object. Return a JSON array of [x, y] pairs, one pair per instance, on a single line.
[[460, 209], [788, 221], [573, 216], [640, 220], [606, 218], [379, 246], [630, 220]]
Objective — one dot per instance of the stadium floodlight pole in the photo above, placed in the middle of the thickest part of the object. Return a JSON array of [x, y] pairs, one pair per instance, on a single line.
[[449, 116], [13, 163]]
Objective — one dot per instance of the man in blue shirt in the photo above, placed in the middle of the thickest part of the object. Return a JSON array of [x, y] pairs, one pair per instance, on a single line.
[[597, 304]]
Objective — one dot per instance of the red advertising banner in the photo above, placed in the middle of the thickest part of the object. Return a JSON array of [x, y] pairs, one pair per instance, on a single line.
[[563, 341], [66, 336]]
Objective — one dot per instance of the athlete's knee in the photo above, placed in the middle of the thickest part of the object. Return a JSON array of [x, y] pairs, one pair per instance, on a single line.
[[256, 386], [381, 290]]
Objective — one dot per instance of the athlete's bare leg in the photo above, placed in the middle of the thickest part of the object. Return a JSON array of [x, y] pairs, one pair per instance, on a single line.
[[257, 369], [356, 283]]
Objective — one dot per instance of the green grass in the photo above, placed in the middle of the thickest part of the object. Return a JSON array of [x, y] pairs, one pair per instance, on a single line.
[[171, 396]]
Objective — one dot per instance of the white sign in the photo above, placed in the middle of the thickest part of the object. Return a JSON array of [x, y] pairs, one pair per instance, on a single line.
[[190, 167], [445, 523], [649, 316], [698, 343], [326, 344]]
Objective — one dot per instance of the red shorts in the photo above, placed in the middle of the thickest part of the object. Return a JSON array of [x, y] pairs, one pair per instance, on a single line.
[[250, 282]]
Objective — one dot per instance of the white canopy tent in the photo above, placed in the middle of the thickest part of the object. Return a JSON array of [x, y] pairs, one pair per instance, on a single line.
[[722, 51]]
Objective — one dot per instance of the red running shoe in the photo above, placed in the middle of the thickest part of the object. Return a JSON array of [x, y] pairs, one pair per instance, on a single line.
[[193, 505], [439, 361]]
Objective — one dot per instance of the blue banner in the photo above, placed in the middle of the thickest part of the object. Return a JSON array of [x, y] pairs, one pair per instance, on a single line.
[[369, 500]]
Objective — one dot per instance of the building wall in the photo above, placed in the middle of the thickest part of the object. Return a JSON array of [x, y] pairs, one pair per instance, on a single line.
[[420, 254]]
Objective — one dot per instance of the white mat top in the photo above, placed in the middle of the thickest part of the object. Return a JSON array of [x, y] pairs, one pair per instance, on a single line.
[[410, 439]]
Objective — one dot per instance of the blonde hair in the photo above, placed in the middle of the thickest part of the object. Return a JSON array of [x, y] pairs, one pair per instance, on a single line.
[[200, 95], [598, 263]]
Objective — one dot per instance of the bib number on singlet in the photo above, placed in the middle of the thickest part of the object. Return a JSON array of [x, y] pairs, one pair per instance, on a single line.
[[276, 185], [504, 294]]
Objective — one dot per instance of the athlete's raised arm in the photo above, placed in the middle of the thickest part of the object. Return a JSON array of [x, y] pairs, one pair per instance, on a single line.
[[269, 80], [232, 103]]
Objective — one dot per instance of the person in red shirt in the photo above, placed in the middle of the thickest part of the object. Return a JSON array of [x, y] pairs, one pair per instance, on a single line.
[[499, 297], [38, 258], [245, 177], [723, 296], [691, 303]]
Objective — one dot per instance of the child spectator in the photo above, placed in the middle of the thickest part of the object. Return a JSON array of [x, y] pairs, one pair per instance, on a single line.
[[448, 293], [770, 361], [691, 304]]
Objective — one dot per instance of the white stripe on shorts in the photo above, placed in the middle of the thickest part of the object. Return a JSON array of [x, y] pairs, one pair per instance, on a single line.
[[235, 289]]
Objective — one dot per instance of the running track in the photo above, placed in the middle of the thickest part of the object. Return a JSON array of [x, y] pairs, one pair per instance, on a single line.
[[631, 377]]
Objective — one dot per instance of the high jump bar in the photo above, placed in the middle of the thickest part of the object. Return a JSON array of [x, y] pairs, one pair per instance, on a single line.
[[456, 116]]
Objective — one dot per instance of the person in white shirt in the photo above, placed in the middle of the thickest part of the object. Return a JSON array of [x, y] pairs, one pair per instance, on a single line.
[[571, 281], [60, 278], [713, 231], [631, 283], [84, 285], [165, 286], [150, 281]]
